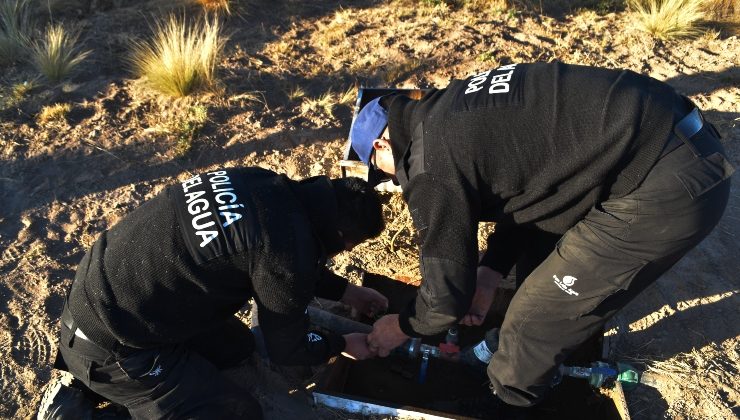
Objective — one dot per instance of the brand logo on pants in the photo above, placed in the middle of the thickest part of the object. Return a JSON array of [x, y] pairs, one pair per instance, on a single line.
[[565, 284], [156, 371]]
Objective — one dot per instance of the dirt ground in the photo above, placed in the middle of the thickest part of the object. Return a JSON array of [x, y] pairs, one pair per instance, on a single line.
[[288, 82]]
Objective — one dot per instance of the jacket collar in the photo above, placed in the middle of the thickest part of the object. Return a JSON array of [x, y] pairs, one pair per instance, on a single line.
[[406, 123], [400, 112]]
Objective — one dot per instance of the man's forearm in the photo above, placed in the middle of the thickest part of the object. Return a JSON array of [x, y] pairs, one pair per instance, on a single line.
[[330, 286]]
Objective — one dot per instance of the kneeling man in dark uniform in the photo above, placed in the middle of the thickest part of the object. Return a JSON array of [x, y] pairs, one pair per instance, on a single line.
[[149, 321]]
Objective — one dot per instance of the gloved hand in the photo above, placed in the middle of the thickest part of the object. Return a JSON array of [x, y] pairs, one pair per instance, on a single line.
[[367, 301]]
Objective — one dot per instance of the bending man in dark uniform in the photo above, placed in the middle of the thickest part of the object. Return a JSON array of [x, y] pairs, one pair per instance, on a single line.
[[598, 181], [149, 323]]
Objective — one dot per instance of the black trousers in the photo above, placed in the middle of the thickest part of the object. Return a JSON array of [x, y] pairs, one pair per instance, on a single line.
[[174, 381], [620, 247]]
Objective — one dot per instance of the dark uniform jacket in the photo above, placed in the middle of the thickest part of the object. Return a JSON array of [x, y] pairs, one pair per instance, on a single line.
[[192, 256], [530, 146]]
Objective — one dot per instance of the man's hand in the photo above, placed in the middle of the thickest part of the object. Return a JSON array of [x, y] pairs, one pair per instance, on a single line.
[[386, 335], [356, 347], [367, 301], [485, 288]]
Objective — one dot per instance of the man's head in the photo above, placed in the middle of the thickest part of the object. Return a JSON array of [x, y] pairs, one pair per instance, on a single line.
[[359, 213], [344, 212], [369, 139]]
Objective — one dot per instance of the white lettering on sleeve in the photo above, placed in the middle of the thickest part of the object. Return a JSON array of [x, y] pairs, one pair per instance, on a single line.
[[200, 226], [220, 201], [192, 182], [198, 206], [207, 236]]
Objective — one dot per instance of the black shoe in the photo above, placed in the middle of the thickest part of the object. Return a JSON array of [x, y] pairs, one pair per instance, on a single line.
[[62, 401]]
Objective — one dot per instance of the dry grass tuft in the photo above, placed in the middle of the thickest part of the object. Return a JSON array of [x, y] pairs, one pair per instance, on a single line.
[[13, 95], [434, 8], [323, 105], [53, 114], [181, 57], [296, 93], [57, 54], [216, 5], [666, 19], [348, 97], [485, 6], [16, 26], [19, 91]]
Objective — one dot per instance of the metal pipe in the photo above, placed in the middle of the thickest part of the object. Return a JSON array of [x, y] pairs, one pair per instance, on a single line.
[[335, 323]]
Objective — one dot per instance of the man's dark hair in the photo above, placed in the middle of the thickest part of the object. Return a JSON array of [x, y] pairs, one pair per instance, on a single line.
[[359, 211]]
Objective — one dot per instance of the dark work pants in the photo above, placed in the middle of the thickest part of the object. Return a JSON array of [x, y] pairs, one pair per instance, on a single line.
[[620, 247], [175, 381]]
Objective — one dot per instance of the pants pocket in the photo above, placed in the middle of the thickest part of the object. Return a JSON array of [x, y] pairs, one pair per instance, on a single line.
[[71, 360], [143, 366], [704, 173]]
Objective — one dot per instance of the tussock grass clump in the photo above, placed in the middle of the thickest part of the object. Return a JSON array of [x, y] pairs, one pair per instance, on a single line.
[[181, 57], [323, 104], [57, 53], [15, 30], [666, 19], [53, 114], [216, 5], [296, 93]]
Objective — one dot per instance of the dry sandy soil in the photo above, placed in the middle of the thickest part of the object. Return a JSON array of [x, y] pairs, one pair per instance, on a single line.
[[62, 182]]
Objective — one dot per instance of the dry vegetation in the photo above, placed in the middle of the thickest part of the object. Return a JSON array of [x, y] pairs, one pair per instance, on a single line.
[[216, 5], [78, 155], [57, 53], [669, 18], [15, 30], [53, 114], [181, 57]]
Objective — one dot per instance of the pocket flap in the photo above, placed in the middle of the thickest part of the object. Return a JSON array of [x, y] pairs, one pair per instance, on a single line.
[[701, 175]]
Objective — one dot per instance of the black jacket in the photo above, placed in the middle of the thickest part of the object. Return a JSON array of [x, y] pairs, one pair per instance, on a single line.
[[526, 145], [193, 255]]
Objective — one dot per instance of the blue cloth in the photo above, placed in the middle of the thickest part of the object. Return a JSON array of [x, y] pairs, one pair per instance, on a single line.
[[367, 127]]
